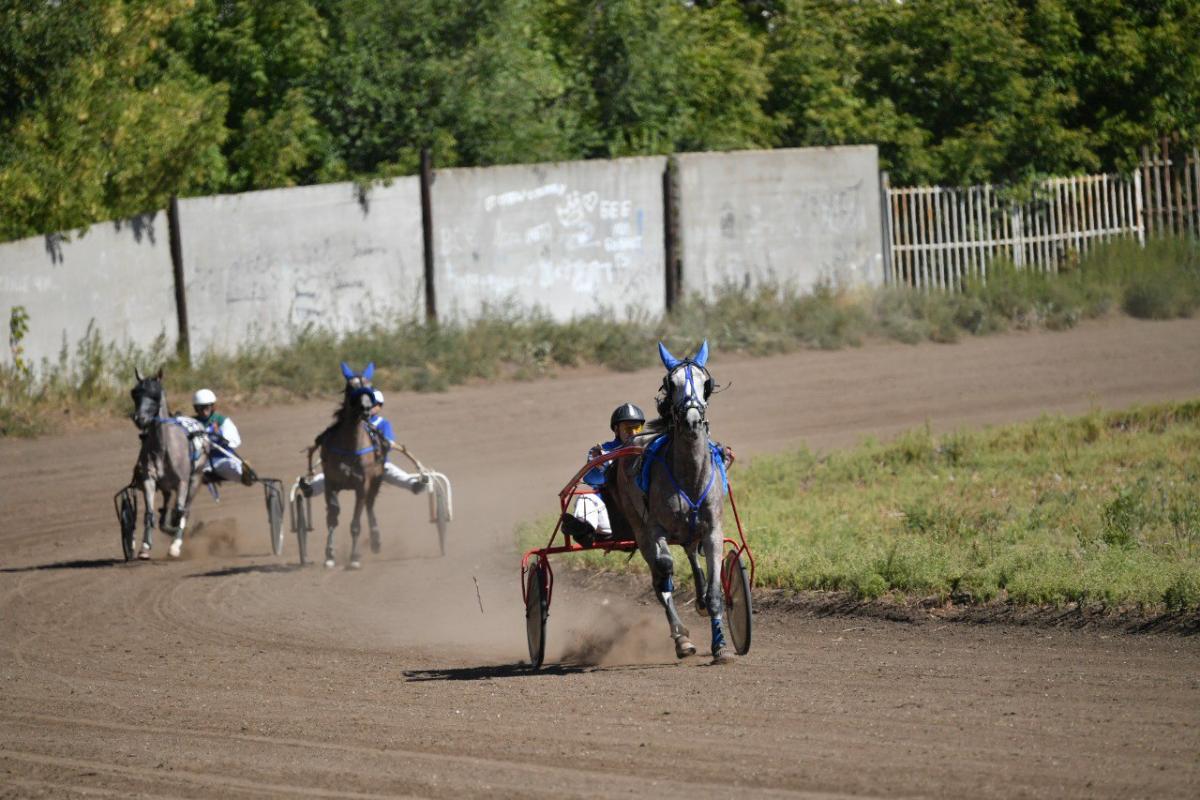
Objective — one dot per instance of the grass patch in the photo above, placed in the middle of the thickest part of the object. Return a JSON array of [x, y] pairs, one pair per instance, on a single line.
[[1159, 281], [1101, 509]]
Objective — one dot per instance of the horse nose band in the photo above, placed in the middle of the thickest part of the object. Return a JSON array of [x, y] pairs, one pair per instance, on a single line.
[[692, 399]]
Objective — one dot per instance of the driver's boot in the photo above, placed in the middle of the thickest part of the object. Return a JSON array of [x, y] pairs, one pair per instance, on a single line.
[[579, 530]]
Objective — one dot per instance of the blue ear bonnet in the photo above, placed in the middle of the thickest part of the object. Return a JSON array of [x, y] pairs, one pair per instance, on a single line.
[[367, 373], [671, 362]]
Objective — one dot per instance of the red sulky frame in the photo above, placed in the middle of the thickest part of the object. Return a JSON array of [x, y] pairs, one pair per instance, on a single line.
[[572, 490]]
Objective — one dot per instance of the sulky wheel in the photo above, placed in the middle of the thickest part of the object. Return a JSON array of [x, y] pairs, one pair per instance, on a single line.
[[301, 508], [537, 609], [127, 508], [273, 491], [441, 516], [739, 609]]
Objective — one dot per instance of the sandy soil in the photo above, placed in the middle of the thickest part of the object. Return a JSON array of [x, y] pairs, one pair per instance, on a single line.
[[236, 674]]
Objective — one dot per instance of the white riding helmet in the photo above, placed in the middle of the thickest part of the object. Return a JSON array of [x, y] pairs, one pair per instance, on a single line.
[[204, 397], [378, 397]]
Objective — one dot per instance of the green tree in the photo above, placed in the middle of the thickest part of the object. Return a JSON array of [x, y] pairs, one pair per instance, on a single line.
[[99, 120], [266, 55], [814, 55], [661, 77]]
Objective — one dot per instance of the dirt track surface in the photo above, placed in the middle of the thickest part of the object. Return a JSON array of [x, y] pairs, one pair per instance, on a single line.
[[231, 673]]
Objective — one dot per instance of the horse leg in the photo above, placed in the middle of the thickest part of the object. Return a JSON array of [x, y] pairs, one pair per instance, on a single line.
[[332, 507], [701, 583], [372, 521], [662, 569], [148, 490], [721, 652], [356, 529], [183, 506]]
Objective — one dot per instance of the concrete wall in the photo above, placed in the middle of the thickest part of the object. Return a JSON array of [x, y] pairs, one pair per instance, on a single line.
[[789, 217], [573, 238], [261, 266], [116, 274]]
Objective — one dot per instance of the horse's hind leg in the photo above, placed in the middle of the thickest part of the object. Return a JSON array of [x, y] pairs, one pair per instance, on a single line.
[[332, 508], [356, 529], [372, 521], [662, 569], [701, 583]]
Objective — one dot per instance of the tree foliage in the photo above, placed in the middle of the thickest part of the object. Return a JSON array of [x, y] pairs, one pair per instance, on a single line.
[[108, 107]]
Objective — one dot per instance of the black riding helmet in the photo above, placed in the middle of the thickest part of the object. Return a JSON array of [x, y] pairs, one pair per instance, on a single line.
[[627, 412]]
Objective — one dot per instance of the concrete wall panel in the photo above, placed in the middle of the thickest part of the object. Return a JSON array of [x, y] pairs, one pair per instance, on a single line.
[[787, 217], [262, 266], [116, 275], [572, 238]]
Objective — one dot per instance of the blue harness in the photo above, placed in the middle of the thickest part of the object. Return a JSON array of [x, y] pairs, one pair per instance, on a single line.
[[653, 452], [372, 434]]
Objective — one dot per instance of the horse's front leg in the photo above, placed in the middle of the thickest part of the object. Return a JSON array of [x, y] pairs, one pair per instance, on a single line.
[[657, 553], [332, 509], [148, 490], [698, 577], [714, 545], [356, 529]]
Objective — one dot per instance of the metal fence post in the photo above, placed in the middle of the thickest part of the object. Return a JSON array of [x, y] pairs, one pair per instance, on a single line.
[[183, 348], [673, 262], [885, 217], [427, 234]]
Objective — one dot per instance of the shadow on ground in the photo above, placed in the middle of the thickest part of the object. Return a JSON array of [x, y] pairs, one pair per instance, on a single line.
[[247, 570], [91, 563]]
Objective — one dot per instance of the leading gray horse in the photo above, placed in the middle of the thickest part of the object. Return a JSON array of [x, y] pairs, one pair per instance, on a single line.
[[172, 458], [681, 497]]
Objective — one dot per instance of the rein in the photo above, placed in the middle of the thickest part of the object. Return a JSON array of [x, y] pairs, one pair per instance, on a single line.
[[694, 505]]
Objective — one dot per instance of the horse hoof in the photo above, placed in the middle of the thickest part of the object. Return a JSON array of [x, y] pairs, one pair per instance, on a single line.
[[144, 554], [684, 648], [176, 548], [724, 655], [701, 610], [375, 546], [329, 563], [354, 565]]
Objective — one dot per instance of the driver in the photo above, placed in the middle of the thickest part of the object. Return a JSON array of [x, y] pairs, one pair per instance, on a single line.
[[223, 461], [594, 515], [391, 473]]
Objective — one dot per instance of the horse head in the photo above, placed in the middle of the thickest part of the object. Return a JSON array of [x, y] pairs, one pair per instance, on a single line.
[[358, 380], [686, 388], [149, 399]]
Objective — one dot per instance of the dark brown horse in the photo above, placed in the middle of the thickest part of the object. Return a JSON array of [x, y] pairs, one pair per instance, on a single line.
[[352, 458]]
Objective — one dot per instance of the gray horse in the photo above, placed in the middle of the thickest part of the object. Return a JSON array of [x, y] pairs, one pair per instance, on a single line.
[[172, 459], [684, 482], [352, 458]]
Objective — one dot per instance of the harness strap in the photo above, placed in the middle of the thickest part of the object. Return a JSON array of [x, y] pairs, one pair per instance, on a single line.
[[694, 505], [372, 434]]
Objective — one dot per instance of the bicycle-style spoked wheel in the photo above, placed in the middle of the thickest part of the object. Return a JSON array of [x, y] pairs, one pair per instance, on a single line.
[[537, 609], [739, 610], [301, 512], [441, 516], [127, 508], [273, 492]]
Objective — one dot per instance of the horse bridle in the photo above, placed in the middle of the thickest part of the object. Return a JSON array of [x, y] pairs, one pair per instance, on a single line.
[[140, 394], [694, 399]]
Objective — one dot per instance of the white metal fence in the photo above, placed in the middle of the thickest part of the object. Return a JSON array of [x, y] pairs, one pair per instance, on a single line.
[[938, 236]]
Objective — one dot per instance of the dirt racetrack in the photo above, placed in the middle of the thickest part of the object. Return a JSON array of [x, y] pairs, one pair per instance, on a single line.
[[231, 673]]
